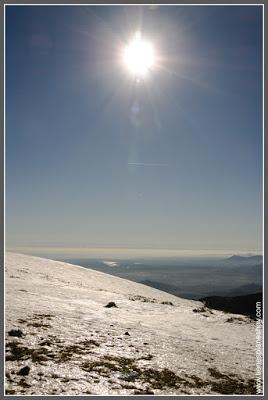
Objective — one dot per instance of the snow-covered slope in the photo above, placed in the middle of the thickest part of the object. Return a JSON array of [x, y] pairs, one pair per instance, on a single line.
[[152, 342]]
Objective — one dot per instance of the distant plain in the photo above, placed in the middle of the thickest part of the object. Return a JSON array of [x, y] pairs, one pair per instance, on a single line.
[[188, 277]]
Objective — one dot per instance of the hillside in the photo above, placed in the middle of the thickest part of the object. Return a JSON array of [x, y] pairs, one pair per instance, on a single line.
[[245, 305], [62, 339]]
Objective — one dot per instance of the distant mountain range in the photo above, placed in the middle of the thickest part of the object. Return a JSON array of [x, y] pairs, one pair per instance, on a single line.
[[245, 305], [249, 288], [245, 260], [242, 290]]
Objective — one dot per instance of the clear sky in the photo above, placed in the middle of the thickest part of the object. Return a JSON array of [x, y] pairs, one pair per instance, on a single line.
[[95, 159]]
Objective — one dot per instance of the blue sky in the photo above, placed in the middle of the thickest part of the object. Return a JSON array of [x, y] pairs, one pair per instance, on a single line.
[[94, 159]]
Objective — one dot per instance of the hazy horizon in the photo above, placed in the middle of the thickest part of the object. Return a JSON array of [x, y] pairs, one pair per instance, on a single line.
[[85, 253]]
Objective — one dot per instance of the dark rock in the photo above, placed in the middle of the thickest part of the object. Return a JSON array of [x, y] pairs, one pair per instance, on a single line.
[[168, 303], [110, 304], [148, 357], [15, 332], [24, 371], [10, 391], [126, 333], [143, 392], [45, 343]]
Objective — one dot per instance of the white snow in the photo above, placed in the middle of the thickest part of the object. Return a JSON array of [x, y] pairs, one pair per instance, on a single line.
[[57, 305]]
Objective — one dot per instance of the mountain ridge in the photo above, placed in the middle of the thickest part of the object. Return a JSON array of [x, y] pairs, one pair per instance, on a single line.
[[80, 331], [245, 259]]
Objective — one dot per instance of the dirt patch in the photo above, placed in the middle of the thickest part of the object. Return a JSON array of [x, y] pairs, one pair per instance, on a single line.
[[143, 299], [148, 357], [235, 319], [231, 384], [83, 347], [149, 300], [42, 316], [24, 384], [38, 325], [37, 321], [202, 310], [90, 343], [128, 371], [17, 352]]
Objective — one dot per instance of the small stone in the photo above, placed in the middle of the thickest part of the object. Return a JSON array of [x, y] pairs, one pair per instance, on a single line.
[[168, 303], [15, 332], [143, 392], [24, 371], [127, 334], [110, 304]]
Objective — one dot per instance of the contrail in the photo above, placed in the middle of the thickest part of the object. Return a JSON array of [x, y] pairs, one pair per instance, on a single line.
[[147, 164]]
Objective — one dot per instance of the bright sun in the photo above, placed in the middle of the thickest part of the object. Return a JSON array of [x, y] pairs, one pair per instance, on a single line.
[[139, 56]]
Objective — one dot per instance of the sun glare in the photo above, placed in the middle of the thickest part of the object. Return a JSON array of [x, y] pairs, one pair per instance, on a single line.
[[139, 56]]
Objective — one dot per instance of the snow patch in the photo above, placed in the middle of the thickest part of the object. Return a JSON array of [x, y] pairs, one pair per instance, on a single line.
[[151, 342]]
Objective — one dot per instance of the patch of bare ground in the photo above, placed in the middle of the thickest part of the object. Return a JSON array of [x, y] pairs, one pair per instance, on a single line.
[[16, 352], [163, 379], [82, 347], [149, 300], [231, 384]]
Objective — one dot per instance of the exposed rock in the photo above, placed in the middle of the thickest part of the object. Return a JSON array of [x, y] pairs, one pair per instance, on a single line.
[[15, 332], [168, 303], [24, 371], [141, 392], [111, 304]]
